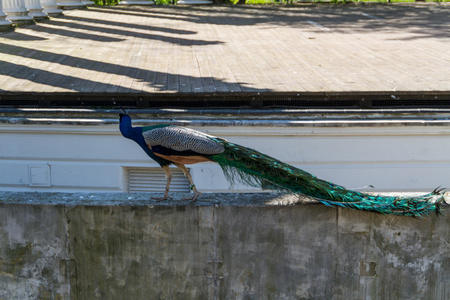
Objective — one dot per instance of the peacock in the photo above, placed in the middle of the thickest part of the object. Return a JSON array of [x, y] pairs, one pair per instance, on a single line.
[[169, 144]]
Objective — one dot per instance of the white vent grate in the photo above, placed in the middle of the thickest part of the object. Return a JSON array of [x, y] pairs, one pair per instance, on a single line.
[[154, 180]]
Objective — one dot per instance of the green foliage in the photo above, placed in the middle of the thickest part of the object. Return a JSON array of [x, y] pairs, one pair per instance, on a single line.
[[261, 1], [377, 1], [106, 2], [383, 1], [339, 1], [165, 2]]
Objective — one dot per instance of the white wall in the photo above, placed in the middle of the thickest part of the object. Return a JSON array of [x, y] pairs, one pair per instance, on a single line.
[[92, 158]]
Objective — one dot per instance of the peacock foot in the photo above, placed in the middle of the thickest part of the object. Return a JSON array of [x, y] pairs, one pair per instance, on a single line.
[[159, 199], [193, 197]]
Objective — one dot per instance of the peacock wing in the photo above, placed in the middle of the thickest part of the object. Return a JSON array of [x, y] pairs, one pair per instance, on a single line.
[[182, 139]]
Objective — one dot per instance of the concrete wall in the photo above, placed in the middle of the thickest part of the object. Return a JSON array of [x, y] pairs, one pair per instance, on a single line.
[[69, 246]]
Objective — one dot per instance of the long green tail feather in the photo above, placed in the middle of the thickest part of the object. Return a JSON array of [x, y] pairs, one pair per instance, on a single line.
[[259, 170]]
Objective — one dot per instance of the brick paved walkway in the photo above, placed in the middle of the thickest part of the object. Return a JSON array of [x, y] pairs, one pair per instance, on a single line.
[[180, 49]]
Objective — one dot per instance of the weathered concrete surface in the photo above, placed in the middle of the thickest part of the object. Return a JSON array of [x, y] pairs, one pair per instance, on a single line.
[[209, 250], [33, 252]]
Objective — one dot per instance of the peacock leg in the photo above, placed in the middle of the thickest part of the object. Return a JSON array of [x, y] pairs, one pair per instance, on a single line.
[[189, 177], [166, 193]]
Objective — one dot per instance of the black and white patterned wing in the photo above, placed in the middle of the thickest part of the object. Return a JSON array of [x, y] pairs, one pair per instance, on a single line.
[[182, 139]]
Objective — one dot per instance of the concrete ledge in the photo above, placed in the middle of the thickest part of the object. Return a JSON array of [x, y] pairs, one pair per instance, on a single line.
[[114, 250], [145, 199]]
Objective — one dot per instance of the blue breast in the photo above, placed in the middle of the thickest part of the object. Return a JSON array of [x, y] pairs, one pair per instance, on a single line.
[[135, 134]]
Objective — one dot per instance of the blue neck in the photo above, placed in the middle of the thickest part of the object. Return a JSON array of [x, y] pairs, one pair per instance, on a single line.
[[135, 134]]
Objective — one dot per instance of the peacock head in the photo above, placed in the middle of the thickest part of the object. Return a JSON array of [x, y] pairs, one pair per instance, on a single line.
[[125, 123], [122, 114]]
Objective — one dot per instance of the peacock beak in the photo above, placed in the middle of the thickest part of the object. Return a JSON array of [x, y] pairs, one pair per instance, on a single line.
[[123, 113]]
